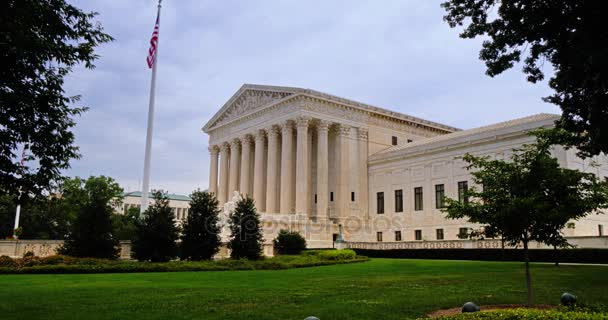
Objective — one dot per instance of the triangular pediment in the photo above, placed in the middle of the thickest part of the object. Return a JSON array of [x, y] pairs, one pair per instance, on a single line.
[[248, 99]]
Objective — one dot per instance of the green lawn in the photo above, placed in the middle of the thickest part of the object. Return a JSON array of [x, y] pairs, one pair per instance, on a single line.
[[378, 289]]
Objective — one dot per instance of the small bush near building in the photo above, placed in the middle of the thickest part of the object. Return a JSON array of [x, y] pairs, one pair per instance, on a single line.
[[156, 233], [289, 242]]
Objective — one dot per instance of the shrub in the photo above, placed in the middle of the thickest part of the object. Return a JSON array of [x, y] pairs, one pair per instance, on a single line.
[[289, 242], [200, 236], [345, 254], [156, 233], [245, 231], [6, 261], [528, 314], [65, 264]]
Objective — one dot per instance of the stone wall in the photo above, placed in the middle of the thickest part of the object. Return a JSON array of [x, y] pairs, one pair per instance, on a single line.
[[44, 248], [578, 242]]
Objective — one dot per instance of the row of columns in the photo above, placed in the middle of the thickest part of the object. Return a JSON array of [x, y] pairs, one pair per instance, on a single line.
[[275, 182]]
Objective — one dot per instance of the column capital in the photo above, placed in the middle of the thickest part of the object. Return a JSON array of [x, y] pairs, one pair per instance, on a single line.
[[343, 130], [234, 143], [286, 126], [303, 121], [246, 139], [362, 133], [224, 147], [214, 149], [273, 130], [323, 125], [260, 135]]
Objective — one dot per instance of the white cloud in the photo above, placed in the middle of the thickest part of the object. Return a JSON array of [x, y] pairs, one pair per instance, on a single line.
[[395, 54]]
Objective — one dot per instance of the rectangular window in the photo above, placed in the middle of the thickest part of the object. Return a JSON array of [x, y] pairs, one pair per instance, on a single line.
[[352, 197], [331, 196], [418, 198], [439, 196], [394, 141], [380, 202], [379, 236], [439, 234], [399, 200], [397, 235], [600, 229], [409, 140], [418, 234], [463, 233], [315, 198], [463, 187]]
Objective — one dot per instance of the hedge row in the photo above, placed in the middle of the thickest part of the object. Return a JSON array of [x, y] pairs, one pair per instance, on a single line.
[[536, 255], [529, 314], [63, 264]]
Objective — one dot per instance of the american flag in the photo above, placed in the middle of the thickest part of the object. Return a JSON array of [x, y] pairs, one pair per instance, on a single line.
[[153, 43]]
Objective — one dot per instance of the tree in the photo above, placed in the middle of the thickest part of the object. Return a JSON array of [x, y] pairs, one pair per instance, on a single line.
[[156, 232], [124, 224], [91, 233], [245, 231], [570, 35], [529, 198], [289, 242], [40, 43], [200, 234]]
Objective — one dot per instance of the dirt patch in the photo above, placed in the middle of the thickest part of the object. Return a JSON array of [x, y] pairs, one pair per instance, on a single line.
[[454, 311]]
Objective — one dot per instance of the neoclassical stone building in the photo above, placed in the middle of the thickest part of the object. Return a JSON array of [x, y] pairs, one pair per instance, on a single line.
[[317, 163]]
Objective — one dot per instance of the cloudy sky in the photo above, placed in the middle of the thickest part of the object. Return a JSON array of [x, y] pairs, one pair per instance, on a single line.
[[397, 54]]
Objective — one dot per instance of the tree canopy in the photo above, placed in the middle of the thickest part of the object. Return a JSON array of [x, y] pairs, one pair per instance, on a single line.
[[529, 197], [91, 234], [564, 36], [40, 43]]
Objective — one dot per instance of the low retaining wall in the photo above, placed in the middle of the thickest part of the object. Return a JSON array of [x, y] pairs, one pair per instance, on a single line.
[[44, 248], [578, 242]]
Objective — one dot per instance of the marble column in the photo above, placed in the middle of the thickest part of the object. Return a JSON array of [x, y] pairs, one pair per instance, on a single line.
[[322, 169], [258, 172], [362, 150], [223, 187], [302, 166], [233, 177], [272, 182], [245, 165], [342, 164], [287, 179], [213, 166]]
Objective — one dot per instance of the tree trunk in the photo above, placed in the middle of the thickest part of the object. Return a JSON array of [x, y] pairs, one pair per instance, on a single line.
[[528, 278], [556, 256]]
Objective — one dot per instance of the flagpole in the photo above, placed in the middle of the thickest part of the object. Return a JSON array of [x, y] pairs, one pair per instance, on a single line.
[[18, 209], [146, 183]]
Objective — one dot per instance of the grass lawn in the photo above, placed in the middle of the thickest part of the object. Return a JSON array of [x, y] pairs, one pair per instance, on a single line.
[[378, 289]]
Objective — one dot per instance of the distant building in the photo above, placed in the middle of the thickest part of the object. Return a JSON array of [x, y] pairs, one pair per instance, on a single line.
[[180, 204]]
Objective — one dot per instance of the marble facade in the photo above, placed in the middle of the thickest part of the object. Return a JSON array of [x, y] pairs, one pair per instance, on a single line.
[[313, 161]]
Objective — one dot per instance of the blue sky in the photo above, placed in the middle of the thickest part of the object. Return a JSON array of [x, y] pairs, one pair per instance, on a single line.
[[398, 55]]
